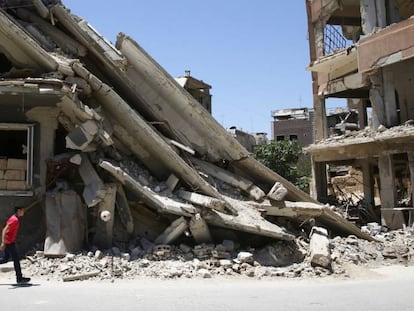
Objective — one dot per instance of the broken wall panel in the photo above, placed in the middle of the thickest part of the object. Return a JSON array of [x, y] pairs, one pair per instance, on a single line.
[[393, 44], [65, 223]]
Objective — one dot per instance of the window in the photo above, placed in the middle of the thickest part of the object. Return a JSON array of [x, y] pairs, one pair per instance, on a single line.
[[293, 137], [16, 158], [279, 138]]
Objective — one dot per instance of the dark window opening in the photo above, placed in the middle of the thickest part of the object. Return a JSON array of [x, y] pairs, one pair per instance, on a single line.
[[60, 140], [5, 64], [14, 144], [280, 138], [293, 137], [397, 103]]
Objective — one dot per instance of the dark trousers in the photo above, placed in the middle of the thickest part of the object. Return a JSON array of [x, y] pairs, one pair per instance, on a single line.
[[11, 252]]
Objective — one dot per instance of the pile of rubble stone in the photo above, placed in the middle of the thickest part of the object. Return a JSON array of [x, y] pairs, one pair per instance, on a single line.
[[369, 134], [279, 259]]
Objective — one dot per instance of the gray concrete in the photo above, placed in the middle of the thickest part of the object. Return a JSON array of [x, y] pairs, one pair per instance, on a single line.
[[389, 289]]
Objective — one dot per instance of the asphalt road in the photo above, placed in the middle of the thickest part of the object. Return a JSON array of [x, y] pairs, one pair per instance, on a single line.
[[387, 289]]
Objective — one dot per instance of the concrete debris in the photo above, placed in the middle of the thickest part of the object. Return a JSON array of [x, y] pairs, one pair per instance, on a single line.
[[282, 260], [140, 180], [319, 248], [278, 192]]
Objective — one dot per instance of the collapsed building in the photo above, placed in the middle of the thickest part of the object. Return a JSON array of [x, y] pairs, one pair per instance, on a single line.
[[362, 51], [108, 149]]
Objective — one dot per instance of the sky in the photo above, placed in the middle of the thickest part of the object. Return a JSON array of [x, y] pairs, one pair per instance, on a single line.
[[253, 53]]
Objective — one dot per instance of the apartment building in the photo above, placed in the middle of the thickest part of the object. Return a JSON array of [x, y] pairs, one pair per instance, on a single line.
[[363, 52]]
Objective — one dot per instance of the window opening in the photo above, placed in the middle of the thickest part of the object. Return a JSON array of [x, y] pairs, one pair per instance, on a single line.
[[16, 157]]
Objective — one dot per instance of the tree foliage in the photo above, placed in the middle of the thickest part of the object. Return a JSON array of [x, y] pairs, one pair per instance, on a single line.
[[286, 158]]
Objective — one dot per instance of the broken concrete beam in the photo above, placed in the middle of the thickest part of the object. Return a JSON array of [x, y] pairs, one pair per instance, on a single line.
[[200, 230], [278, 192], [64, 67], [232, 179], [41, 9], [302, 210], [149, 197], [133, 131], [41, 38], [156, 149], [261, 174], [289, 209], [173, 232], [76, 110], [172, 182], [181, 146], [105, 218], [163, 98], [319, 248], [65, 223], [248, 220], [20, 48], [82, 72], [94, 190], [199, 199], [82, 276], [66, 43], [89, 37], [123, 209]]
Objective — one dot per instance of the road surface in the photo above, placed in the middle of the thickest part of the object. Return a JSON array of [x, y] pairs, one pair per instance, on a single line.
[[390, 288]]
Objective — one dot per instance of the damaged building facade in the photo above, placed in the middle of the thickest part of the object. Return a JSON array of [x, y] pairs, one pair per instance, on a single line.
[[108, 149], [362, 51]]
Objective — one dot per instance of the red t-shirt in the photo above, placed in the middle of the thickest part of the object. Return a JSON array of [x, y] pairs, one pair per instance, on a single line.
[[11, 234]]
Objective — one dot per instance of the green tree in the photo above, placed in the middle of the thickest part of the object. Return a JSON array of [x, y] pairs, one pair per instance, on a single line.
[[286, 158]]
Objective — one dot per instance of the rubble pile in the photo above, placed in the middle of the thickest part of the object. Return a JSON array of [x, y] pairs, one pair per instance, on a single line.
[[280, 259], [369, 134], [394, 247]]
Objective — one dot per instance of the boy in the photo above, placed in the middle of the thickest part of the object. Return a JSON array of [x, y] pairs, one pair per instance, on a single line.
[[8, 243]]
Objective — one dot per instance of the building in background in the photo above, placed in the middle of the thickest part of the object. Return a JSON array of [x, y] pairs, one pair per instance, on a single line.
[[197, 88], [261, 138], [293, 124], [362, 51], [247, 140]]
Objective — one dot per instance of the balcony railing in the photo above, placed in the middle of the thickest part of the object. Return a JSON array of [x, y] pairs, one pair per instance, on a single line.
[[333, 39]]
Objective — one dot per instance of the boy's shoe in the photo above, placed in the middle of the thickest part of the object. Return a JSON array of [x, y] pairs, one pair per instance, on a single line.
[[23, 280]]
